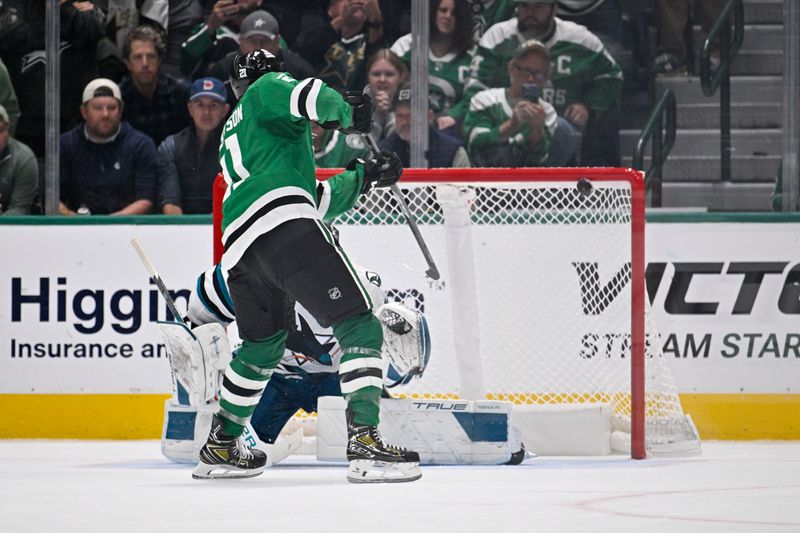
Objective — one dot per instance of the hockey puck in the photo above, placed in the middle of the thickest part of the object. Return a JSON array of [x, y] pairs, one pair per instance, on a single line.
[[584, 186]]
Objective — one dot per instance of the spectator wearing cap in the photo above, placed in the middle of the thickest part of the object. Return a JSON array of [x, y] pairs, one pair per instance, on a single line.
[[516, 126], [188, 161], [218, 36], [19, 173], [444, 151], [155, 102], [260, 30], [586, 81], [107, 166]]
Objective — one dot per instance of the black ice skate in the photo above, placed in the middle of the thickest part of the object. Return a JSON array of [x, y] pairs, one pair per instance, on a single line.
[[227, 457], [373, 461]]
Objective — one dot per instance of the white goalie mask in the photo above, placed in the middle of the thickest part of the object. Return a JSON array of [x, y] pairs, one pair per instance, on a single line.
[[406, 343]]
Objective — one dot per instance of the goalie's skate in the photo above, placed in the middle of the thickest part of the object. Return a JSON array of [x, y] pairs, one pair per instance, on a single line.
[[373, 461], [227, 457]]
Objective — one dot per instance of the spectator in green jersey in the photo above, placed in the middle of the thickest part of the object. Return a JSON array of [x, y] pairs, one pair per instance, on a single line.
[[586, 79], [516, 126], [451, 48]]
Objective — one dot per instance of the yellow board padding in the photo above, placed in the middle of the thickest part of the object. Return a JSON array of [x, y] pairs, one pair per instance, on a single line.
[[82, 416], [141, 416], [744, 416]]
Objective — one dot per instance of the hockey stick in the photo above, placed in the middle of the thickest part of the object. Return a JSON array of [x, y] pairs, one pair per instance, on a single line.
[[158, 281], [432, 271]]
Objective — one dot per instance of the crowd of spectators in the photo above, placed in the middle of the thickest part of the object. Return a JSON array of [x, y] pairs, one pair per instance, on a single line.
[[144, 89]]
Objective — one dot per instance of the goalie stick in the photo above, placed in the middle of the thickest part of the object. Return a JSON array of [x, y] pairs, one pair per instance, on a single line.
[[432, 271], [157, 280]]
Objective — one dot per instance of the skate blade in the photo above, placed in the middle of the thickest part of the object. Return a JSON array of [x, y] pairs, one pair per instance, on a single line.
[[369, 471], [204, 471]]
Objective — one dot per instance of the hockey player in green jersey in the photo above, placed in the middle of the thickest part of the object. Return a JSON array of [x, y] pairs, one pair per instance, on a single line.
[[277, 246], [586, 79]]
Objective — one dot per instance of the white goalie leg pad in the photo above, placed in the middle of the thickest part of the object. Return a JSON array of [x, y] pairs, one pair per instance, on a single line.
[[185, 430], [441, 431], [197, 357]]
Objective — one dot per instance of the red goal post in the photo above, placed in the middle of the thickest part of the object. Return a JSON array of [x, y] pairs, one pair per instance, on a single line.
[[511, 199]]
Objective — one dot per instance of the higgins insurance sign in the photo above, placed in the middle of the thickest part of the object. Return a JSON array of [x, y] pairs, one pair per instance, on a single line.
[[78, 311]]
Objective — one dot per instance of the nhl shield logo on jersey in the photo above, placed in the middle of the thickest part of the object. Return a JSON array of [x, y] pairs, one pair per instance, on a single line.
[[334, 293]]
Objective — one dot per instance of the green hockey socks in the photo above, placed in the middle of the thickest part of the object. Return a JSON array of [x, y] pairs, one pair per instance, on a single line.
[[361, 367], [245, 380]]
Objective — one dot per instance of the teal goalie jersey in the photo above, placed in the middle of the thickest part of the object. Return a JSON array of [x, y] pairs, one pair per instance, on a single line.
[[267, 160]]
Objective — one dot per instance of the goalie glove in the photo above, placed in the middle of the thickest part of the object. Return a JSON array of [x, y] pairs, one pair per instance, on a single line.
[[361, 105], [381, 171], [406, 343]]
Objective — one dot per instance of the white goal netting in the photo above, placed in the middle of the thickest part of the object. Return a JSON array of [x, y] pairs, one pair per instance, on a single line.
[[534, 301]]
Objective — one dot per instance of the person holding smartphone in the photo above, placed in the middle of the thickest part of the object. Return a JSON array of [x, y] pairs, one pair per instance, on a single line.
[[516, 126]]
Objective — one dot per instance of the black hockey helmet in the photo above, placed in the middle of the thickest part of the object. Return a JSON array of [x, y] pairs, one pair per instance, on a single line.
[[248, 68]]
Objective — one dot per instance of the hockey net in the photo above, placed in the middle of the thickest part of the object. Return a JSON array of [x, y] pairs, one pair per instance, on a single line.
[[541, 300]]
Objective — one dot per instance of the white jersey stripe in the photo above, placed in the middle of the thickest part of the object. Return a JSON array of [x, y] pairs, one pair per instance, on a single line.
[[241, 401], [361, 362], [261, 202], [294, 99], [311, 101], [360, 383], [325, 201], [245, 383], [264, 224]]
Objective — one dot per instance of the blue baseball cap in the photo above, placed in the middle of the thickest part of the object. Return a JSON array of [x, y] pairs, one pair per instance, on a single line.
[[211, 87]]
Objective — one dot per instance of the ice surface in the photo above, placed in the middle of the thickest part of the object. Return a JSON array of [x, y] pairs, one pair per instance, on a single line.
[[64, 486]]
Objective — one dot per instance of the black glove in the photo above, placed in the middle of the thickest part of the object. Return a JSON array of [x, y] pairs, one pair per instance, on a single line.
[[381, 171], [361, 105]]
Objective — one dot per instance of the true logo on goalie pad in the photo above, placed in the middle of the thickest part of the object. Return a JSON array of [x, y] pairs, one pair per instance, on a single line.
[[449, 432]]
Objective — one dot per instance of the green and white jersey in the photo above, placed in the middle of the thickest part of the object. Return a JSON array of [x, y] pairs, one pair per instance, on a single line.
[[489, 109], [267, 160], [487, 13], [582, 70], [447, 76], [339, 148]]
